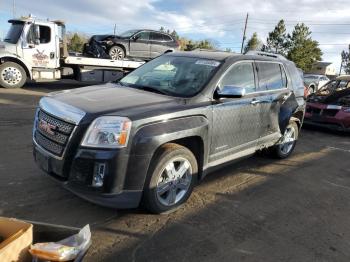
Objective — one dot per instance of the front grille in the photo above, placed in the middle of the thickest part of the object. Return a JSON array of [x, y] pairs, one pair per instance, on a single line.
[[313, 110], [52, 133], [330, 112]]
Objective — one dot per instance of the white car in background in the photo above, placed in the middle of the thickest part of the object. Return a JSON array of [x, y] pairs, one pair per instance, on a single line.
[[315, 82]]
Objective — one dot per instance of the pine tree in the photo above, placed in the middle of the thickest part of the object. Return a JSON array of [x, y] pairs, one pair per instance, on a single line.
[[345, 61], [76, 43], [253, 44], [277, 41], [303, 51]]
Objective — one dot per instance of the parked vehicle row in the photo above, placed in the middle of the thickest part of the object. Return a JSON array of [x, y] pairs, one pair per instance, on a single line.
[[315, 82], [153, 135], [330, 106]]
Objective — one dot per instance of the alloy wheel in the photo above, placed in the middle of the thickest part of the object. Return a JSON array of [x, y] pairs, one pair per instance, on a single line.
[[116, 53], [288, 140], [174, 181]]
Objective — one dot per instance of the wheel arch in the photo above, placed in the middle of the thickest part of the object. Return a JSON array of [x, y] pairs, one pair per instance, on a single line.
[[121, 46], [191, 132], [193, 143], [17, 61]]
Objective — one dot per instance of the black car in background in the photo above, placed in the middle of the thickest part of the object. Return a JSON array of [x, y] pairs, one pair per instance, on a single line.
[[144, 44]]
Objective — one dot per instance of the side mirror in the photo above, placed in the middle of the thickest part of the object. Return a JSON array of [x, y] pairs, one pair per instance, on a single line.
[[36, 34], [135, 37], [230, 92]]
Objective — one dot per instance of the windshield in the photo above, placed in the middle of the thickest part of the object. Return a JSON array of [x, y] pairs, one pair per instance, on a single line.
[[14, 33], [333, 86], [172, 75], [128, 33]]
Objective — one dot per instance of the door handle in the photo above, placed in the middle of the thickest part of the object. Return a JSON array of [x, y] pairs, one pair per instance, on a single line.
[[255, 102]]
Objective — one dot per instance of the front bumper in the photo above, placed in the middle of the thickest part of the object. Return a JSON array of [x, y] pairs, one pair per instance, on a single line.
[[123, 182], [330, 126], [124, 199]]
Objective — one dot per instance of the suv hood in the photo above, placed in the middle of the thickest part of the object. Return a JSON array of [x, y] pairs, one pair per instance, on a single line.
[[114, 99]]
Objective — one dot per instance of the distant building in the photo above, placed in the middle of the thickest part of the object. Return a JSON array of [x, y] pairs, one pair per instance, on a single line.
[[323, 68]]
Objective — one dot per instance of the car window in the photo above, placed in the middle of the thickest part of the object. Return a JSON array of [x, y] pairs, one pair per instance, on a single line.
[[157, 37], [45, 34], [167, 38], [143, 36], [284, 76], [240, 75], [269, 76]]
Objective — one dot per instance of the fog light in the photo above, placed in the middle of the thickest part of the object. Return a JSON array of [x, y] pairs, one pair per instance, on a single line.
[[99, 174]]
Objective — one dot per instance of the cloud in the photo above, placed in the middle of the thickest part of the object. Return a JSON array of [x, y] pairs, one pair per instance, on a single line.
[[222, 20]]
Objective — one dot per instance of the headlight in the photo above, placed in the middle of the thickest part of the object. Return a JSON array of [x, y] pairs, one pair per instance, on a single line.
[[108, 131]]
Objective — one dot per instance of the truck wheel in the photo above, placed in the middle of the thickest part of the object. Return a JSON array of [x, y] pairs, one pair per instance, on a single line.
[[170, 179], [116, 53], [286, 145], [12, 75]]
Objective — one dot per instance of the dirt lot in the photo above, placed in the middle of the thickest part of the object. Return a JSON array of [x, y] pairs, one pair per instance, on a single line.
[[258, 209]]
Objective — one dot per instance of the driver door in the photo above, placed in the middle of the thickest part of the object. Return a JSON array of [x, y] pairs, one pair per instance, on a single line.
[[236, 121], [41, 52], [140, 45]]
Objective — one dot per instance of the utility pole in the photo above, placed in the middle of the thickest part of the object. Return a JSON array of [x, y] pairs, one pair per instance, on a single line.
[[115, 29], [14, 8], [245, 30]]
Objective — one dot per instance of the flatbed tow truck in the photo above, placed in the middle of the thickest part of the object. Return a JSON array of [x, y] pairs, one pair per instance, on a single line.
[[37, 50]]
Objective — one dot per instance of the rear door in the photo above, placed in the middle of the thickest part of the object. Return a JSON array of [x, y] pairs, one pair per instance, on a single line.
[[236, 121], [140, 45], [272, 93], [158, 44]]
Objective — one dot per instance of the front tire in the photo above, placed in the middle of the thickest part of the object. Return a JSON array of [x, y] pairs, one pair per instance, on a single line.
[[117, 53], [286, 145], [12, 75], [171, 178]]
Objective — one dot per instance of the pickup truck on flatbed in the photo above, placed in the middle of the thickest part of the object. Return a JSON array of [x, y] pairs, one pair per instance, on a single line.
[[150, 137]]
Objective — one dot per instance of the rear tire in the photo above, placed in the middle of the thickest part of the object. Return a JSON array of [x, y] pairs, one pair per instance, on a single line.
[[171, 178], [284, 148], [12, 75], [116, 53]]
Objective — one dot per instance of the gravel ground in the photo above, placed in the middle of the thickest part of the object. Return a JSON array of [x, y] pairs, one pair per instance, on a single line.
[[258, 209]]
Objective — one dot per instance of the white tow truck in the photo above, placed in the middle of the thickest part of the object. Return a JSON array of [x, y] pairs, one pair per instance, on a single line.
[[36, 50]]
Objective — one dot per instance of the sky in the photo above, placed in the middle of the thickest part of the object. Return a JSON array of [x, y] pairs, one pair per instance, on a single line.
[[222, 21]]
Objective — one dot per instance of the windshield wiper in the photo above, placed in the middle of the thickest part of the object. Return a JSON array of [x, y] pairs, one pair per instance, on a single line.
[[152, 89]]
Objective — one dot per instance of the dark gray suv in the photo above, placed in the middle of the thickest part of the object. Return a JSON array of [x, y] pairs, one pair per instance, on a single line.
[[153, 135], [144, 44]]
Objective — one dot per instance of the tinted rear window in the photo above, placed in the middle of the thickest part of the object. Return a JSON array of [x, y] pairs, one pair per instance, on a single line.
[[156, 37], [270, 76], [167, 38]]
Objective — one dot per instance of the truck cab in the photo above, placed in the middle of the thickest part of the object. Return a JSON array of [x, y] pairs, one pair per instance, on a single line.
[[31, 49]]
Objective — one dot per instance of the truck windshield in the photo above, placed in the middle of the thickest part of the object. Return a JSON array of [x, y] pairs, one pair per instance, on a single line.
[[173, 75], [14, 33]]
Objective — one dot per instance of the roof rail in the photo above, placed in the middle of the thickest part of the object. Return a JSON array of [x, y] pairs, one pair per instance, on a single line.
[[261, 53]]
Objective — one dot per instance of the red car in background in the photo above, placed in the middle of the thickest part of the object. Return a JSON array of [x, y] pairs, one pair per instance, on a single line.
[[330, 106]]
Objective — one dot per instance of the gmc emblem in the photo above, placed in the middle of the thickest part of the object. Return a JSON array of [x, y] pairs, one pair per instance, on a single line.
[[47, 127]]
